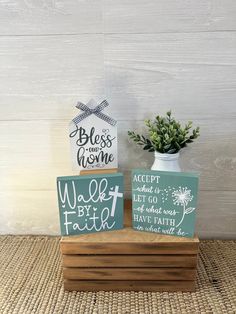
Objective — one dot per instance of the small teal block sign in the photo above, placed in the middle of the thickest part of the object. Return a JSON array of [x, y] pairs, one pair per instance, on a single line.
[[164, 202], [90, 203]]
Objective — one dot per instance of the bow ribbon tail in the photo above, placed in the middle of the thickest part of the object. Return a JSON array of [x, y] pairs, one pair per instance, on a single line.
[[101, 106], [82, 106], [81, 117], [106, 118]]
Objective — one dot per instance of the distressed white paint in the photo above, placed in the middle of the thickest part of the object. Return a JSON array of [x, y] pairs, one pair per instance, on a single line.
[[148, 16], [47, 17], [194, 74], [144, 57]]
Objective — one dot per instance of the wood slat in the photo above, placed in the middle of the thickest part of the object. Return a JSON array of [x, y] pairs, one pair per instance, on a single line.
[[131, 285], [128, 248], [50, 17], [122, 16], [187, 261], [129, 16], [129, 273]]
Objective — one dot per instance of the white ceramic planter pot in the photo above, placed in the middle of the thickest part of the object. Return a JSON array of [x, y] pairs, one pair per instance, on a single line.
[[166, 162]]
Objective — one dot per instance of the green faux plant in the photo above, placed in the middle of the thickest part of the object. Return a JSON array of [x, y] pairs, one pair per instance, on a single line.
[[166, 135]]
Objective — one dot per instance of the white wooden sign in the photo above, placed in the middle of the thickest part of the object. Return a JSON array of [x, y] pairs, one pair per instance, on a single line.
[[93, 138]]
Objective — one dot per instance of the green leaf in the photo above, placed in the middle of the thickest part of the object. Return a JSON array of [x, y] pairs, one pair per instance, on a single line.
[[146, 147], [177, 145], [172, 151], [166, 147], [151, 149]]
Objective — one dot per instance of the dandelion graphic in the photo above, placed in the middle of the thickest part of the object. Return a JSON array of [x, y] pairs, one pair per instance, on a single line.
[[181, 197]]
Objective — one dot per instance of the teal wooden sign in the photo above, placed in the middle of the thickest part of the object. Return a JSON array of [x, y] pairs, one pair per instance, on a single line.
[[90, 203], [164, 202]]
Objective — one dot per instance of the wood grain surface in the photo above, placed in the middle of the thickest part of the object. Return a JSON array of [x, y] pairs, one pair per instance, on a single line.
[[130, 285], [50, 17], [128, 235], [140, 261], [127, 16], [99, 171], [128, 241], [183, 72], [129, 273], [128, 248]]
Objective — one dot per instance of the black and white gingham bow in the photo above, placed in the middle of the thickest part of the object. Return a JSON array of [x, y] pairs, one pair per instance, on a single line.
[[97, 111]]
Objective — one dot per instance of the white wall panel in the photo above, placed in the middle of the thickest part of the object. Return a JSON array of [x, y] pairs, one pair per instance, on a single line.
[[43, 77], [194, 74]]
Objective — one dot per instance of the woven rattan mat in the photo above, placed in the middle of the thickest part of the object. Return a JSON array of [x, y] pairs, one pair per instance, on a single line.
[[31, 282]]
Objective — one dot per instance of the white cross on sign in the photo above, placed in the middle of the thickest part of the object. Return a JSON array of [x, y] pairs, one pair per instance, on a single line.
[[115, 194]]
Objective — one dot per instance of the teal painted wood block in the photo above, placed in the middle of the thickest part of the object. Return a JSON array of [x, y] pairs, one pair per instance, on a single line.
[[164, 202], [90, 203]]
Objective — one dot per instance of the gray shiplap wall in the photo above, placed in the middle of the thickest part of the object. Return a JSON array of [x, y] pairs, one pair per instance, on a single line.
[[144, 57]]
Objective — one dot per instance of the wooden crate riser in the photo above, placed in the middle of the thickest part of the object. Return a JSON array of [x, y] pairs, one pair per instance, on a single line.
[[129, 260]]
